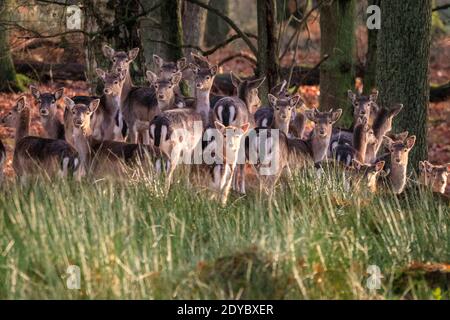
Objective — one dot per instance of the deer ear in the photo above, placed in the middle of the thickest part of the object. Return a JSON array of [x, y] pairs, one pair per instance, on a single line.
[[133, 53], [235, 80], [158, 61], [351, 95], [402, 135], [245, 127], [379, 166], [295, 100], [272, 100], [151, 77], [108, 51], [195, 69], [387, 141], [59, 93], [410, 142], [21, 103], [181, 64], [100, 73], [336, 115], [176, 78], [219, 126], [374, 95], [396, 110], [94, 105], [213, 70], [35, 92], [199, 59], [356, 164], [69, 103]]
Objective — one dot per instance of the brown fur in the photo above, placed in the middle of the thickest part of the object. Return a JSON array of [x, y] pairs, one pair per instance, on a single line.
[[434, 176]]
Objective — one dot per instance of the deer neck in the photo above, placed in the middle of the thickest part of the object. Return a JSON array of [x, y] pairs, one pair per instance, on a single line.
[[281, 125], [51, 125], [164, 105], [203, 106], [360, 144], [127, 86], [112, 103], [371, 151], [82, 137], [23, 126], [398, 177], [319, 147]]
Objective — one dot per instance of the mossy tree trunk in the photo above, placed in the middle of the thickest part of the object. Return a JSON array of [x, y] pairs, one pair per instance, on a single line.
[[217, 29], [337, 31], [370, 75], [172, 33], [268, 64], [402, 72], [8, 77], [194, 20]]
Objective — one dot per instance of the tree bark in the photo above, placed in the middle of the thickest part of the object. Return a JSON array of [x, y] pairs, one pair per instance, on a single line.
[[8, 76], [370, 75], [194, 20], [217, 29], [402, 73], [337, 26], [268, 63], [149, 33]]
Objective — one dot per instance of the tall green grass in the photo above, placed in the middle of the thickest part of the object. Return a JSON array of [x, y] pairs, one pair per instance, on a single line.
[[315, 241]]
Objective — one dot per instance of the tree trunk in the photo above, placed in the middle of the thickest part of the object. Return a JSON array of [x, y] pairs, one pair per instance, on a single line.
[[370, 75], [217, 29], [337, 26], [267, 46], [194, 20], [172, 33], [402, 73], [8, 76], [149, 33]]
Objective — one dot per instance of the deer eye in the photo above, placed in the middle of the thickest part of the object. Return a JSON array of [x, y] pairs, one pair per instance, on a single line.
[[170, 86], [330, 122], [114, 59], [207, 77], [116, 82], [278, 108], [405, 150], [156, 86]]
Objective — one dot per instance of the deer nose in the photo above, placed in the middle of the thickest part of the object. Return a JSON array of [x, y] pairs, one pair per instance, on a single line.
[[107, 91], [43, 112], [397, 160], [322, 132], [160, 96], [199, 85]]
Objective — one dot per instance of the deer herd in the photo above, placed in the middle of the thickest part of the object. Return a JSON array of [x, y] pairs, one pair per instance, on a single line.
[[229, 142]]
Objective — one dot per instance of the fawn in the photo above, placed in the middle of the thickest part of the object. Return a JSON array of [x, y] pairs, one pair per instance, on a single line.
[[247, 91], [176, 133], [203, 80], [399, 152], [279, 114], [36, 155], [367, 175], [382, 125], [364, 106], [434, 176], [229, 142], [321, 134], [48, 112], [363, 135], [104, 157], [276, 153], [165, 90]]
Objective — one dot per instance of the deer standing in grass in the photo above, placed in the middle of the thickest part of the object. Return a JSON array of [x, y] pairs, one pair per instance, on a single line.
[[102, 157], [176, 133], [434, 176], [36, 155], [399, 153], [321, 134], [366, 175], [48, 112]]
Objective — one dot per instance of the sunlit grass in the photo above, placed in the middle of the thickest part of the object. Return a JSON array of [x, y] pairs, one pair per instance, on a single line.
[[133, 242]]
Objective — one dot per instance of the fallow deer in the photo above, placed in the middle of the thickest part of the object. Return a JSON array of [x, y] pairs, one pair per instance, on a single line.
[[279, 114], [364, 106], [203, 81], [48, 112], [366, 175], [247, 91], [434, 176], [399, 153], [321, 134], [165, 92], [36, 155], [102, 157], [176, 133]]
